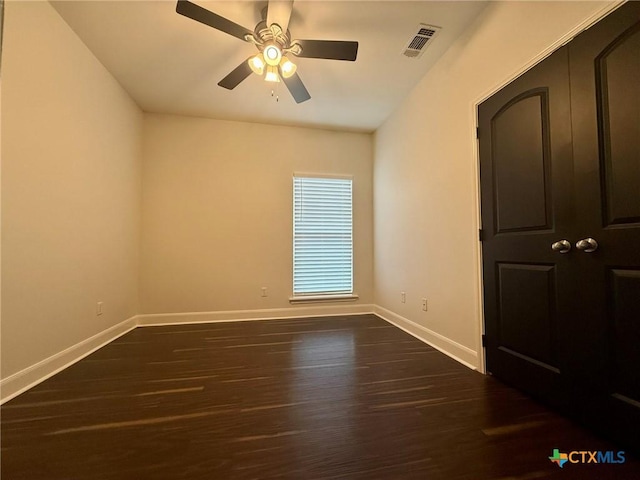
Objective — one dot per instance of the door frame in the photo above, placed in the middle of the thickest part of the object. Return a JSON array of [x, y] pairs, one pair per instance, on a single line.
[[566, 38]]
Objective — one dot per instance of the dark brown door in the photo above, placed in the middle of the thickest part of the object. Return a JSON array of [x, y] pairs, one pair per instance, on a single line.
[[605, 99], [527, 205], [560, 160]]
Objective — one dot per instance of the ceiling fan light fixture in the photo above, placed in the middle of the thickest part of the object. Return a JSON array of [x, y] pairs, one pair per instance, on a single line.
[[287, 67], [272, 74], [273, 41], [257, 64], [272, 55]]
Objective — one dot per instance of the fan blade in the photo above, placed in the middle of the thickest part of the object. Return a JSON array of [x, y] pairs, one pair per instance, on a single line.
[[329, 49], [238, 74], [297, 88], [279, 11], [202, 15]]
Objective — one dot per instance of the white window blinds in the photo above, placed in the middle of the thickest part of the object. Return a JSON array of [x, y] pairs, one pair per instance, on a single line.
[[322, 236]]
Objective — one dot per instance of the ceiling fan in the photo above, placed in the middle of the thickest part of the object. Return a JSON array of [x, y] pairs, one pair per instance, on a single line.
[[273, 41]]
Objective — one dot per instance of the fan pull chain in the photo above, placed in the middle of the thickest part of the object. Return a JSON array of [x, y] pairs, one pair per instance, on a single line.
[[277, 96]]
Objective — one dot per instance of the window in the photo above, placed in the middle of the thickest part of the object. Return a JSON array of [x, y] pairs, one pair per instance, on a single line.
[[322, 236]]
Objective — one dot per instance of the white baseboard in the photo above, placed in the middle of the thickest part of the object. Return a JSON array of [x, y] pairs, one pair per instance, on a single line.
[[455, 350], [23, 380], [148, 320]]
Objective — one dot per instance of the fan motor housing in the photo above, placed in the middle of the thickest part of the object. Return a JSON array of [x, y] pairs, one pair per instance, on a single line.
[[273, 33]]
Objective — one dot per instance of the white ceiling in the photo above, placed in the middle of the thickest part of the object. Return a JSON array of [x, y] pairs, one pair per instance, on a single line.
[[171, 64]]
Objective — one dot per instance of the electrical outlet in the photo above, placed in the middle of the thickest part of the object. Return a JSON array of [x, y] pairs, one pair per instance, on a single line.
[[99, 310], [403, 297], [263, 292], [424, 304]]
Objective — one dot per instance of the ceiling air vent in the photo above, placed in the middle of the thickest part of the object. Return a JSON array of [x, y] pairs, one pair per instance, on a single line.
[[420, 40]]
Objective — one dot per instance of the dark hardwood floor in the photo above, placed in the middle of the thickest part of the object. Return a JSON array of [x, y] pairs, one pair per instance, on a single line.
[[323, 398]]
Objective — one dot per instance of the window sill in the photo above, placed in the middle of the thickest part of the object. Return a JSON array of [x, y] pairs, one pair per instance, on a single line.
[[343, 297]]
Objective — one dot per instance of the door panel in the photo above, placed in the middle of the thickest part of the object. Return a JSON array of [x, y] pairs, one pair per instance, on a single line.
[[618, 412], [605, 102], [624, 286], [526, 314], [520, 148], [618, 97]]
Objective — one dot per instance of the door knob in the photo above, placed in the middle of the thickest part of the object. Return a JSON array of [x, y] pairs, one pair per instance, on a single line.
[[587, 245], [562, 246]]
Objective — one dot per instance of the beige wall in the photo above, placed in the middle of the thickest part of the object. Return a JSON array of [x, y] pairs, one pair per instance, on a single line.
[[70, 190], [217, 210], [425, 177]]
